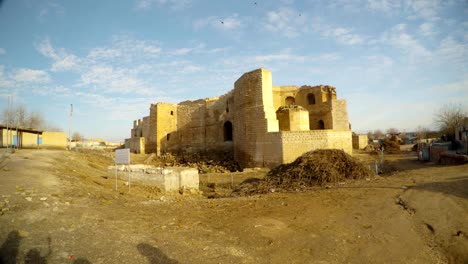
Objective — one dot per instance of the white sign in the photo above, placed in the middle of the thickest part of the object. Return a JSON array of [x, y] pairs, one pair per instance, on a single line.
[[122, 156]]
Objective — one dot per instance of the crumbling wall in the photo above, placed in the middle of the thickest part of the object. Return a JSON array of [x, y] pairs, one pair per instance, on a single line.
[[281, 93], [166, 125], [339, 115], [136, 145], [255, 116]]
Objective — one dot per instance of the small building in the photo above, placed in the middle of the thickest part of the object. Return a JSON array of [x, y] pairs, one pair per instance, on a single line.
[[31, 138]]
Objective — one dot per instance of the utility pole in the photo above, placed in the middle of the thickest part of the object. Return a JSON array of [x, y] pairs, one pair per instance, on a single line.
[[70, 128], [8, 123]]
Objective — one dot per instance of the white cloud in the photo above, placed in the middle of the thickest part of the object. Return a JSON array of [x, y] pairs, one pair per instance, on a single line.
[[220, 23], [383, 5], [110, 80], [283, 57], [453, 52], [146, 5], [50, 7], [286, 21], [427, 29], [342, 35], [31, 76], [62, 61], [410, 46], [425, 8], [125, 47], [2, 51]]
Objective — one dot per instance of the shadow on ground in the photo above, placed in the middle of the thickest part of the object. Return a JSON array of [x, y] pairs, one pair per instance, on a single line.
[[154, 255], [10, 249], [456, 187]]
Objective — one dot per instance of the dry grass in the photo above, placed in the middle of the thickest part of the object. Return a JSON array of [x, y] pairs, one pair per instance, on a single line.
[[315, 168]]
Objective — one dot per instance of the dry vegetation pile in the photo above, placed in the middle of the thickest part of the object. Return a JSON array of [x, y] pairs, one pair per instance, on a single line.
[[391, 146], [205, 162], [315, 168]]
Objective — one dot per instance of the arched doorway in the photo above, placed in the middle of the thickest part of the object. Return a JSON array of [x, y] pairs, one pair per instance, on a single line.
[[290, 100], [321, 124], [227, 131]]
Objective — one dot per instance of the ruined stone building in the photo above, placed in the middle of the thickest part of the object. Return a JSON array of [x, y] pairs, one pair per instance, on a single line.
[[262, 124]]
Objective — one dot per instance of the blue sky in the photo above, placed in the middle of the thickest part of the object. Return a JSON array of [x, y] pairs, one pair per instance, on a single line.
[[395, 62]]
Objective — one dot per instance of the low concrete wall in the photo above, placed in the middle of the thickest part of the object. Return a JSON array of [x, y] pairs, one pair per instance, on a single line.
[[167, 179]]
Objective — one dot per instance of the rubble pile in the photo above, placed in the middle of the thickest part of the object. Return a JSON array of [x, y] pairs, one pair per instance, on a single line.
[[315, 168]]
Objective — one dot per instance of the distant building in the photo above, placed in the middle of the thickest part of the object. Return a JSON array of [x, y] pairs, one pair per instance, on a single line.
[[31, 138], [261, 124]]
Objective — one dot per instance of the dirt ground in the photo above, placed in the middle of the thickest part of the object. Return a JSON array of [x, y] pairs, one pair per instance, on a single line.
[[61, 207]]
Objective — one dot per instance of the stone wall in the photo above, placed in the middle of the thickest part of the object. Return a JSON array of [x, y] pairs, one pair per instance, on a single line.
[[136, 145], [245, 121], [339, 115], [255, 116], [297, 143], [360, 141]]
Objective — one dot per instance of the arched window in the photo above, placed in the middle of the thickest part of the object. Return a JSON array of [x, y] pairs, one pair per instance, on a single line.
[[290, 100], [321, 124], [311, 99], [227, 131]]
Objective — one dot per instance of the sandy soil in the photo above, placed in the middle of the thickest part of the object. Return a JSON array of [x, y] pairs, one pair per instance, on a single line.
[[61, 207]]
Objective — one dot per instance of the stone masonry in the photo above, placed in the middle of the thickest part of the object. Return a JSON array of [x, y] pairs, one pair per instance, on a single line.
[[262, 124]]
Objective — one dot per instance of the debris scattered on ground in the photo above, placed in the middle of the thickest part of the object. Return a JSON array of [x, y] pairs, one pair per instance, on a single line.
[[315, 168]]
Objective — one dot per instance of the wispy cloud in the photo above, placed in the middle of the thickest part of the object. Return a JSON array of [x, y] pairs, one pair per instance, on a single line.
[[31, 76], [286, 21], [342, 35], [383, 5], [283, 57], [2, 51], [62, 60], [398, 37], [231, 22], [146, 5], [50, 7], [127, 48], [427, 29]]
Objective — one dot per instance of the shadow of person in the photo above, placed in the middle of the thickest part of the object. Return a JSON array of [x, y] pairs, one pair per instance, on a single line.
[[81, 261], [34, 255], [154, 255], [9, 249]]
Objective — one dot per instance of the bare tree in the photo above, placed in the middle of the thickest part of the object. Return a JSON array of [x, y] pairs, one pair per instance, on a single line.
[[19, 117], [421, 132], [370, 135], [77, 136], [449, 117], [392, 131], [35, 121], [378, 133]]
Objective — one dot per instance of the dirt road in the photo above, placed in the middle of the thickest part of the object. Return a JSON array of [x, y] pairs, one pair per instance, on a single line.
[[60, 207]]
